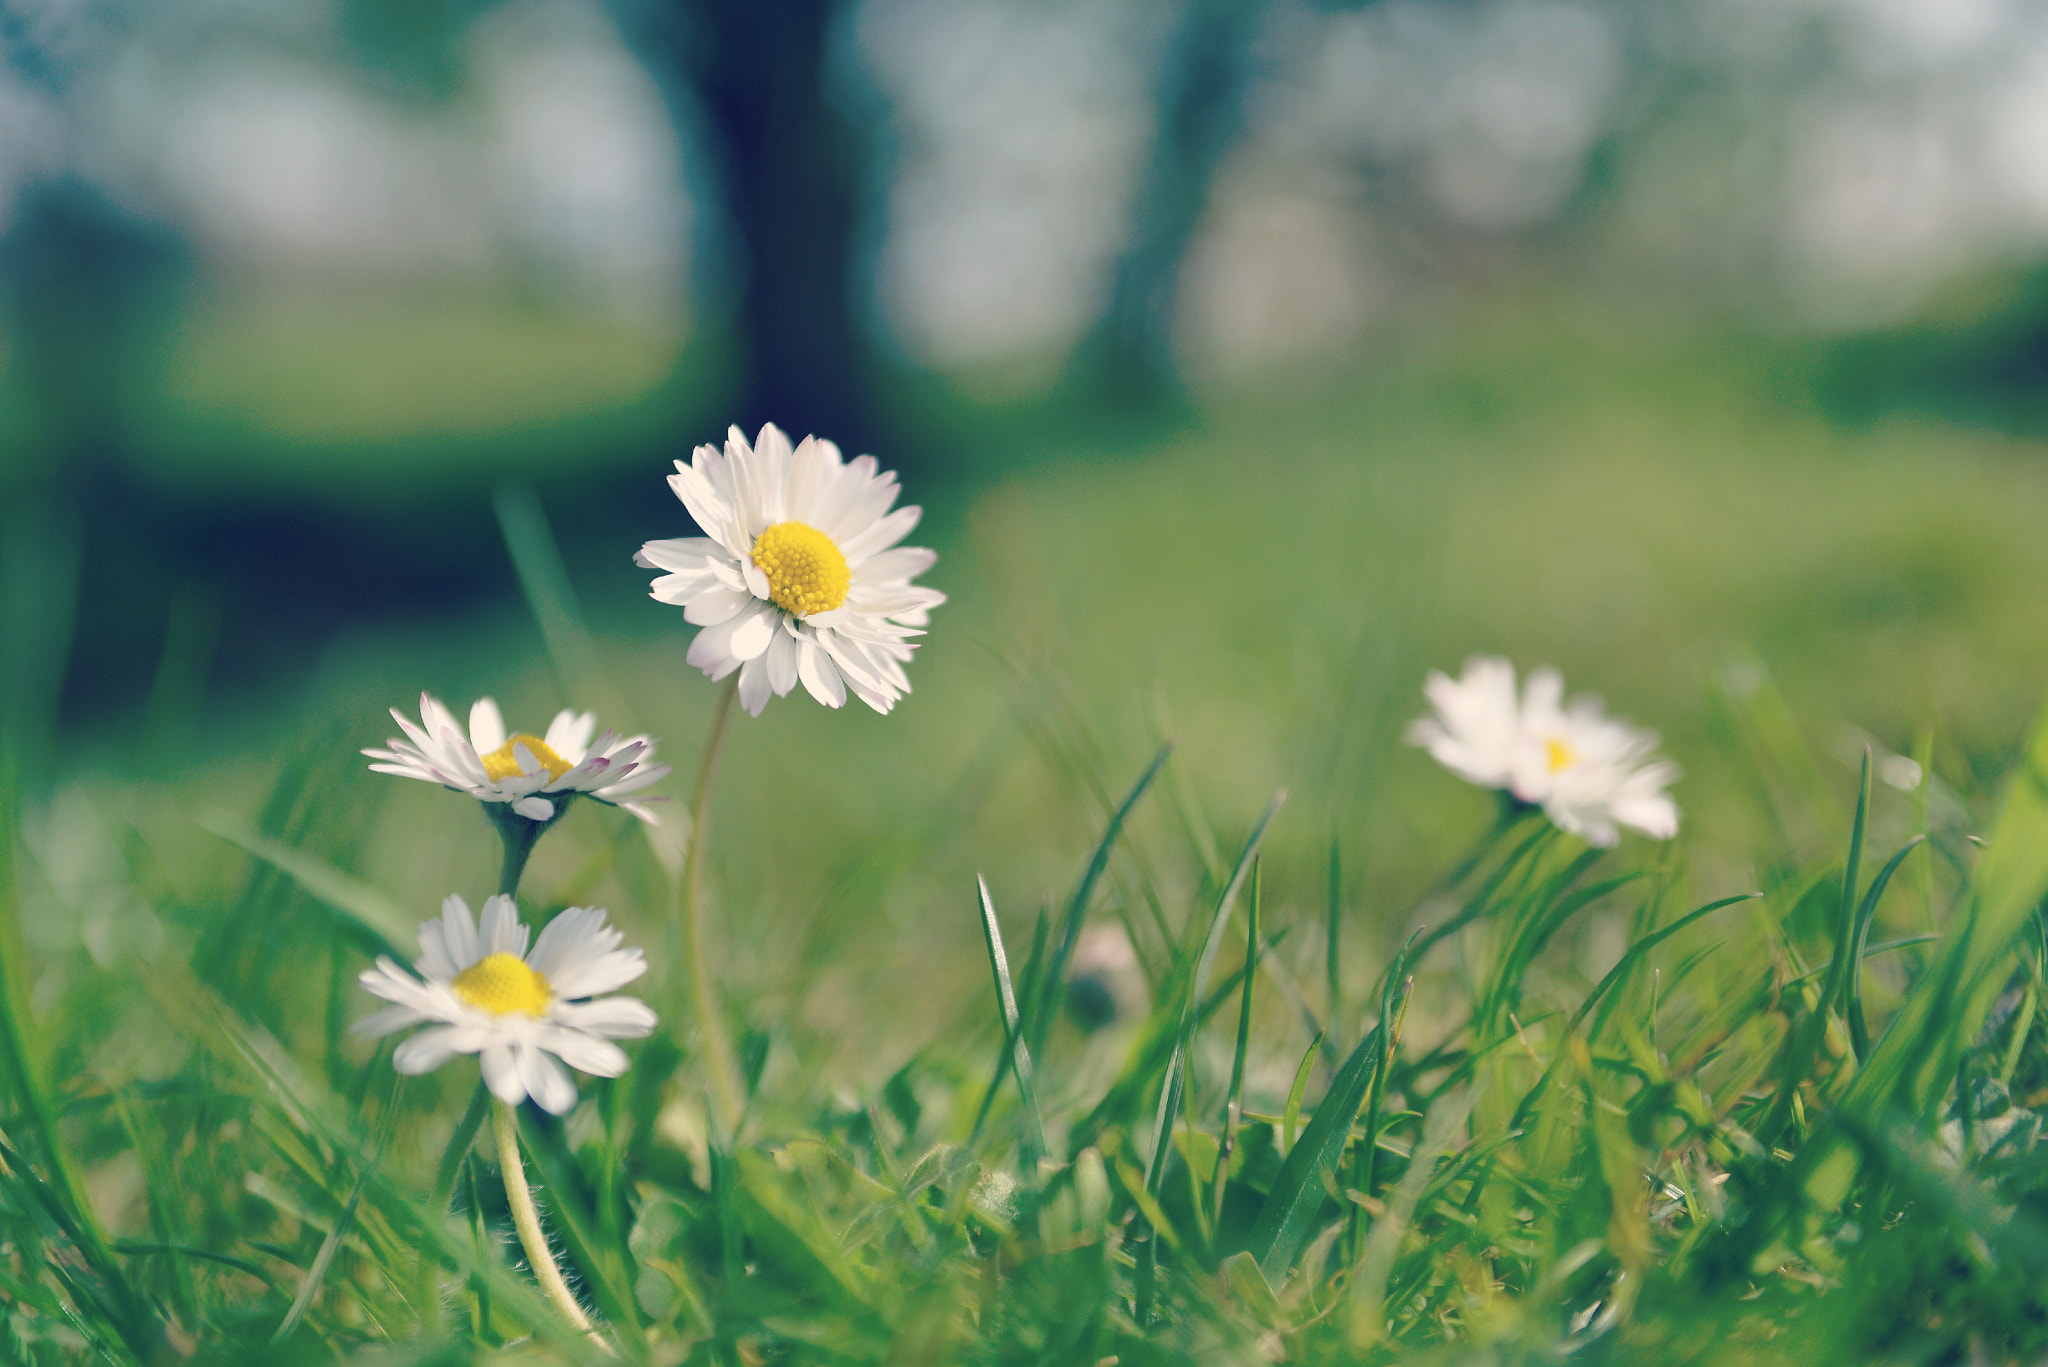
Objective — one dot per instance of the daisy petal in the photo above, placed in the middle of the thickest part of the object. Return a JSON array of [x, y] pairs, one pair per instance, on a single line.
[[544, 1079], [501, 1074]]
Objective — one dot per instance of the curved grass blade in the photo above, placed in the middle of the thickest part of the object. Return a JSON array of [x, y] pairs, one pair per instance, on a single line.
[[1297, 1193], [361, 906], [1015, 1055], [1483, 899], [1533, 936], [1233, 1104], [1176, 1069], [1333, 913], [1393, 1008], [1859, 1031], [1290, 1119], [537, 560], [1039, 1021], [1795, 1062], [1604, 996]]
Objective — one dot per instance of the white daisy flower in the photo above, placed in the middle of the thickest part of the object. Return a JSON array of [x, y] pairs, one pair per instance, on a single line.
[[532, 773], [800, 577], [1589, 772], [1478, 723], [518, 1011]]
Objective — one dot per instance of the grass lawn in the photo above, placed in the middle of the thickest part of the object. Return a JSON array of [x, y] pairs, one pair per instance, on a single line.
[[1596, 1107]]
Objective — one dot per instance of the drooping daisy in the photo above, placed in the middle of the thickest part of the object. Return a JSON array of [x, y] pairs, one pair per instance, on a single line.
[[485, 994], [799, 577], [1589, 772], [532, 773]]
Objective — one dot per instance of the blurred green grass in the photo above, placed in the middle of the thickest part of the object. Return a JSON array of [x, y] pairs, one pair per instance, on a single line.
[[1659, 514], [1670, 519]]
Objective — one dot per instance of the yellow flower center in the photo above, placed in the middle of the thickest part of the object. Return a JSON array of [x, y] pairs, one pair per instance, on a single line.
[[806, 573], [502, 764], [502, 984], [1561, 755]]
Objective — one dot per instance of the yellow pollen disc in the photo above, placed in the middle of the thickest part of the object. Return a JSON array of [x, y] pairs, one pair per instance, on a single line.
[[502, 984], [1561, 756], [502, 764], [806, 573]]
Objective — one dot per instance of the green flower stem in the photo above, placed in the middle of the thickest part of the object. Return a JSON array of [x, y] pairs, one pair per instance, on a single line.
[[505, 1124], [716, 1049], [520, 836]]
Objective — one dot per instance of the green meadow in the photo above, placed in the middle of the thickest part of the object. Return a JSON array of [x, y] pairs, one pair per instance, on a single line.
[[1387, 1069]]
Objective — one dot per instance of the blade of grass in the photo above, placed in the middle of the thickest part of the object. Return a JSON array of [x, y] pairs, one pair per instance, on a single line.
[[1531, 937], [1947, 1007], [21, 1074], [1394, 1008], [1866, 913], [1290, 1118], [1367, 1286], [1796, 1060], [1039, 1018], [1604, 996], [316, 1272], [538, 562], [1297, 1192], [459, 1144], [362, 907], [1481, 900], [1233, 1104], [1333, 921], [1175, 1087], [1014, 1056]]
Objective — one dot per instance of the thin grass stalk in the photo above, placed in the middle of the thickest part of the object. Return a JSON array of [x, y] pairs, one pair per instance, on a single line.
[[727, 1093], [1333, 911], [1233, 1107], [1482, 900]]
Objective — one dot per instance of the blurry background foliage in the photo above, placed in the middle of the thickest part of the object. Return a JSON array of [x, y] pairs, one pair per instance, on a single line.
[[1249, 356]]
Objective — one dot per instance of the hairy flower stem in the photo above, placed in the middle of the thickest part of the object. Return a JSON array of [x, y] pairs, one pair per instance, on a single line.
[[728, 1096], [505, 1124]]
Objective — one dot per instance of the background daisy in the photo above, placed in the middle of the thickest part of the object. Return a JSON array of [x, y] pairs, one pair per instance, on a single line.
[[799, 577], [1590, 773]]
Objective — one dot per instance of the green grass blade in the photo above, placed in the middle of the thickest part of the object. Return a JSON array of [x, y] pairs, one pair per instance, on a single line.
[[1333, 922], [1394, 1008], [1039, 1018], [1852, 992], [316, 1272], [458, 1146], [1290, 1118], [1235, 1099], [538, 562], [1015, 1056], [1802, 1046], [1233, 1104], [362, 907], [1297, 1192], [1531, 938], [1482, 900], [21, 1074], [1605, 998], [1176, 1070], [1943, 1014]]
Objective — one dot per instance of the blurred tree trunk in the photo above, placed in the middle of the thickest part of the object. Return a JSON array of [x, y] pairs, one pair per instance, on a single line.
[[790, 177], [1201, 112]]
